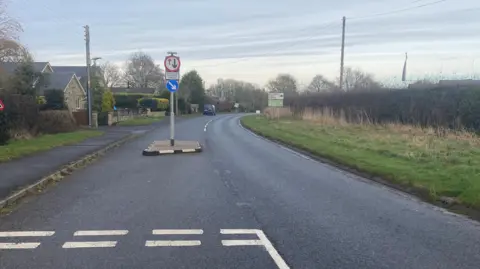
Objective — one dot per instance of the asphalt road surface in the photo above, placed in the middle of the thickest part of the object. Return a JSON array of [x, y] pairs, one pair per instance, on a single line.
[[242, 203]]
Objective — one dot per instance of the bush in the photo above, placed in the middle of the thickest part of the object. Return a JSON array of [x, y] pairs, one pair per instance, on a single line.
[[56, 121], [20, 116], [155, 104], [127, 100], [4, 133], [108, 101], [439, 107], [55, 100]]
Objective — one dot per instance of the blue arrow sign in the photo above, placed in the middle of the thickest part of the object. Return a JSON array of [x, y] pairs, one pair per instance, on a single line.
[[172, 85]]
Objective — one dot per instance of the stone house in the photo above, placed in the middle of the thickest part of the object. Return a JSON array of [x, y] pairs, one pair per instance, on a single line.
[[74, 92]]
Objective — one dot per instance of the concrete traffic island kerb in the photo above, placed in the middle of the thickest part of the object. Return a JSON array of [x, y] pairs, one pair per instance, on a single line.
[[163, 147]]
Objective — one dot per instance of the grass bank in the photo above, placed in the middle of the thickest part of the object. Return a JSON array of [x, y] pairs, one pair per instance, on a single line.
[[19, 148], [141, 121], [443, 164]]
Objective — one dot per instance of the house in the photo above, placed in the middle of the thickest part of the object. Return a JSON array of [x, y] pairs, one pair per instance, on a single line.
[[80, 72], [74, 92]]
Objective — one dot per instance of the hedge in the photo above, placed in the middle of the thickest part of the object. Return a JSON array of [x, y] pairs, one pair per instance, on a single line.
[[438, 107]]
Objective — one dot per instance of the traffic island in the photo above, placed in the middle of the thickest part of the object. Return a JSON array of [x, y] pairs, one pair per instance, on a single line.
[[163, 147]]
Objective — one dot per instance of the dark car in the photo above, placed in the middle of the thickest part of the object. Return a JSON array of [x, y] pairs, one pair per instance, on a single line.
[[209, 109]]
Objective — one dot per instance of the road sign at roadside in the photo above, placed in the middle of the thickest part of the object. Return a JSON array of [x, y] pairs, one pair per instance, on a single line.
[[172, 63], [275, 99], [172, 85], [2, 106]]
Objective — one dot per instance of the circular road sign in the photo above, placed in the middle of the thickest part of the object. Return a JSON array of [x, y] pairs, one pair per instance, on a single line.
[[172, 63]]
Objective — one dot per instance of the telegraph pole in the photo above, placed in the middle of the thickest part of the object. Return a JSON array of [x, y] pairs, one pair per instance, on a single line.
[[342, 57], [89, 93]]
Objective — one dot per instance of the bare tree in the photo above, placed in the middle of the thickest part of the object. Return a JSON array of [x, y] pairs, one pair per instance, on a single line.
[[357, 80], [283, 83], [321, 84], [12, 51], [141, 71], [9, 27], [111, 74]]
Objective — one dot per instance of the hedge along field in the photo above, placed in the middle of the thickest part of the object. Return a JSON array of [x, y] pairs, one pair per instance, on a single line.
[[452, 108]]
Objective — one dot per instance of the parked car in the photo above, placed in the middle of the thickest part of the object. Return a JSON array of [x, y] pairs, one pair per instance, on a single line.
[[209, 109]]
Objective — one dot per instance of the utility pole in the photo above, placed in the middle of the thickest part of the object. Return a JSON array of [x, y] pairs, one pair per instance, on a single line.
[[89, 92], [342, 57]]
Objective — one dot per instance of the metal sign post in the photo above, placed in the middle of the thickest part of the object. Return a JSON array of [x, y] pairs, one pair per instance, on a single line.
[[172, 76]]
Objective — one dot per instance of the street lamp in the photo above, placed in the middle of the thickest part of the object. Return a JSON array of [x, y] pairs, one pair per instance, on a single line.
[[95, 60]]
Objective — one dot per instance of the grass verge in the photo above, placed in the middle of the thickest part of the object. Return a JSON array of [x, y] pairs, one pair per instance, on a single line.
[[141, 121], [445, 165], [19, 148]]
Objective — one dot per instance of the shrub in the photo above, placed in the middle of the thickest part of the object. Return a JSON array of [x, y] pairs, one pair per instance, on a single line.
[[127, 100], [440, 107], [20, 115], [108, 101], [41, 100], [55, 100], [4, 133], [56, 121]]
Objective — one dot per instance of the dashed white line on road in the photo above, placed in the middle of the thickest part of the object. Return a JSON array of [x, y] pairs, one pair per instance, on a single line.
[[180, 231], [99, 233], [281, 264], [206, 125], [25, 233], [97, 244], [172, 243], [229, 243], [30, 245]]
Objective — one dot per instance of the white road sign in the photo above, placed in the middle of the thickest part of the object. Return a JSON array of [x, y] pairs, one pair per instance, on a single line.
[[275, 95], [172, 75], [172, 63]]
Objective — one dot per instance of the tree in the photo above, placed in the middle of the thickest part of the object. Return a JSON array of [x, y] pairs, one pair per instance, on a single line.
[[97, 93], [9, 27], [321, 84], [108, 101], [141, 71], [193, 87], [12, 51], [283, 83], [357, 80], [25, 80], [111, 74]]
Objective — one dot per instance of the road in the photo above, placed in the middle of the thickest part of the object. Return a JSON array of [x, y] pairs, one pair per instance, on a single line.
[[242, 203]]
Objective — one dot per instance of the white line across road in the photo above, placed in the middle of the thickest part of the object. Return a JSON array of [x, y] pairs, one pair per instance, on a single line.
[[281, 264], [100, 233], [25, 234], [30, 245], [173, 243], [185, 231], [93, 244]]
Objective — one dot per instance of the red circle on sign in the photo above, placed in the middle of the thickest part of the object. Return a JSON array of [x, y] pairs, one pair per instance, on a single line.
[[2, 106], [172, 63]]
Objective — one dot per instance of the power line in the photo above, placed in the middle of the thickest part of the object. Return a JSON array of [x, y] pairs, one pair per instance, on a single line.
[[398, 10]]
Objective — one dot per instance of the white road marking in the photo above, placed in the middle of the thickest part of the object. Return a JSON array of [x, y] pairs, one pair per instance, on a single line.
[[24, 234], [188, 150], [99, 233], [229, 243], [206, 125], [281, 264], [238, 231], [180, 231], [98, 244], [172, 243], [31, 245], [166, 151]]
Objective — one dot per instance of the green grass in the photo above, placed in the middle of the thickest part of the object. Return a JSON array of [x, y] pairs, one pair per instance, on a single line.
[[141, 121], [19, 148], [447, 165]]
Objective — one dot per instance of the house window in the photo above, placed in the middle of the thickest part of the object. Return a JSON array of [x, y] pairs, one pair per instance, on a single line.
[[78, 102]]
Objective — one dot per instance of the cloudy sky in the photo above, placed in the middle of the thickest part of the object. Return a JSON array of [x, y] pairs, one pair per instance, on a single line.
[[254, 40]]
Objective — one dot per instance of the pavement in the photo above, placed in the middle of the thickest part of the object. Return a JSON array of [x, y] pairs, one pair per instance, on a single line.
[[243, 202], [22, 172]]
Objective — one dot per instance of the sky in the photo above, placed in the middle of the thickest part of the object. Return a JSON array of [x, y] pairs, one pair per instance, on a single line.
[[255, 40]]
